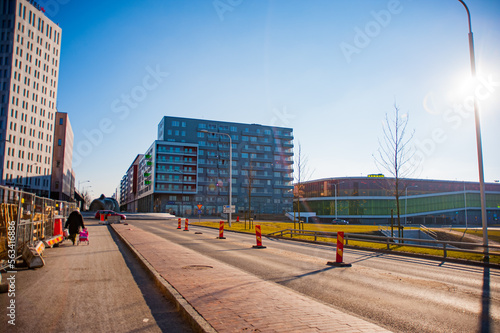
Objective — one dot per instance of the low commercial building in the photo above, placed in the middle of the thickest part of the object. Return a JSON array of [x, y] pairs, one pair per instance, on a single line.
[[371, 200]]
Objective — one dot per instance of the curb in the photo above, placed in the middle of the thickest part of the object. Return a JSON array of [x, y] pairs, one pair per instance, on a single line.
[[197, 322]]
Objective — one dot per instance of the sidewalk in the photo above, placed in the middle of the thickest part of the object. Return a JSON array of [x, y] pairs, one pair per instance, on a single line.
[[98, 287], [221, 298]]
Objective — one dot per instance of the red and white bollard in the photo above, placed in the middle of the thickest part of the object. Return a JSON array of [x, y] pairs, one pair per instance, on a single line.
[[186, 225], [258, 235], [340, 252], [221, 230], [179, 223]]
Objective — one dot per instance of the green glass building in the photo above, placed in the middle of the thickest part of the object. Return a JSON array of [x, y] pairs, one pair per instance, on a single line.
[[371, 200]]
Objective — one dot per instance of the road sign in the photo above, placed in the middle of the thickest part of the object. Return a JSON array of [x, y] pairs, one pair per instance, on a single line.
[[199, 206], [229, 209], [199, 211]]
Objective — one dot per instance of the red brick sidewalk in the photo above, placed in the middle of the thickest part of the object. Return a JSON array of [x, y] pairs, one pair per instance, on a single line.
[[231, 300]]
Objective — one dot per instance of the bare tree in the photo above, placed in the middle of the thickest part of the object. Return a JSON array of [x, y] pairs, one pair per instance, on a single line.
[[87, 200], [394, 153], [302, 174]]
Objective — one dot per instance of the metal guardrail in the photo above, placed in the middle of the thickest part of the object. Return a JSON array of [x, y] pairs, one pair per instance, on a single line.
[[428, 231], [25, 219], [444, 245]]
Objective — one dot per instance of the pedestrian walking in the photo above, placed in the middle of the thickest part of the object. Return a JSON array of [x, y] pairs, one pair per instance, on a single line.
[[73, 224]]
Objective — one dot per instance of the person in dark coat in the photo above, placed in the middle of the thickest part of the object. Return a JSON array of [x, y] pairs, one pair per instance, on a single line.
[[73, 224]]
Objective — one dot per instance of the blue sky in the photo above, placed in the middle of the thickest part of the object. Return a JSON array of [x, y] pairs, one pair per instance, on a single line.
[[329, 69]]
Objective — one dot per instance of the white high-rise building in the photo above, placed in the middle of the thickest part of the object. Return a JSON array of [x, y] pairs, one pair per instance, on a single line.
[[29, 66]]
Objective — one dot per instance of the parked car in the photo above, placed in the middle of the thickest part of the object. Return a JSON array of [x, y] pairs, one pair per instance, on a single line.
[[339, 221], [109, 213]]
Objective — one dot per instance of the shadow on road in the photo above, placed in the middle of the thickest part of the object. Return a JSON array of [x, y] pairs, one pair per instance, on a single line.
[[163, 311], [485, 301], [296, 277]]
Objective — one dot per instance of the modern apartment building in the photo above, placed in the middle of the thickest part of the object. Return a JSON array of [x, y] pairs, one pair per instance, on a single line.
[[63, 178], [189, 165], [128, 187], [29, 67]]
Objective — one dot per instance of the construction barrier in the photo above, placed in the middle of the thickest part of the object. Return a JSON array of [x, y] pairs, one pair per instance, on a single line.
[[57, 235], [186, 224], [340, 252], [27, 220], [221, 230], [258, 235], [39, 247], [58, 227], [179, 223], [54, 240]]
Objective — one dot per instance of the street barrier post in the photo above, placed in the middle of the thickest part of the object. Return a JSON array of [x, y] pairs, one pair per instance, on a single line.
[[340, 252], [179, 223], [186, 224], [258, 235], [221, 230]]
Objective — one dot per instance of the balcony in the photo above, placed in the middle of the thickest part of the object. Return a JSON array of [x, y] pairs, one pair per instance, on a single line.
[[263, 177], [262, 159], [283, 168], [252, 167], [285, 187], [250, 149], [286, 135], [254, 133], [262, 194]]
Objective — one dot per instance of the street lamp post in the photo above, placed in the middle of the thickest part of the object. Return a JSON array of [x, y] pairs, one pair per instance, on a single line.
[[336, 197], [82, 182], [406, 198], [478, 136], [465, 206], [230, 170], [182, 190]]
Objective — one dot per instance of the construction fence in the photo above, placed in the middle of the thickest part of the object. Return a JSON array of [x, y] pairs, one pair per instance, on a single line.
[[26, 219]]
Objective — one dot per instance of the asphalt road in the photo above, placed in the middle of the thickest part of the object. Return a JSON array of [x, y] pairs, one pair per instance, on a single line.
[[90, 288], [400, 293]]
